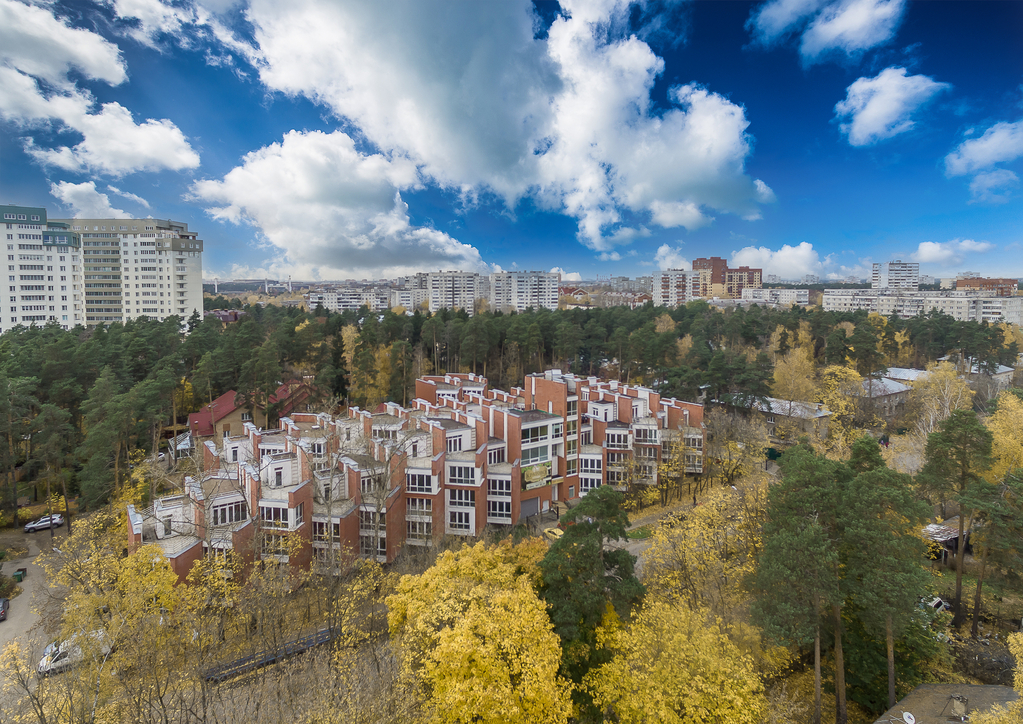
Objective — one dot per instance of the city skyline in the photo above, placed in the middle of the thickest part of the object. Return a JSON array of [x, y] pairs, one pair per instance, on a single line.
[[331, 142]]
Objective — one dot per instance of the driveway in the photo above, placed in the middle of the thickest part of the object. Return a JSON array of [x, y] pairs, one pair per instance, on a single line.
[[22, 617]]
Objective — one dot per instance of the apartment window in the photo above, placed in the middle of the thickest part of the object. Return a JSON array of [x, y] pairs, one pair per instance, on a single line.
[[573, 409], [462, 498], [418, 530], [590, 465], [571, 467], [299, 514], [246, 417], [278, 478], [495, 456], [499, 509], [372, 520], [418, 483], [534, 434], [646, 435], [459, 520], [556, 429], [572, 447], [418, 506], [461, 475], [588, 484], [324, 532], [371, 482], [370, 546], [618, 440], [534, 455], [498, 487], [455, 444], [234, 454], [229, 513], [273, 516], [275, 544]]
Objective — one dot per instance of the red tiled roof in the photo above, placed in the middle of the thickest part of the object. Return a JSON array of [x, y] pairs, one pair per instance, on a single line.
[[201, 422]]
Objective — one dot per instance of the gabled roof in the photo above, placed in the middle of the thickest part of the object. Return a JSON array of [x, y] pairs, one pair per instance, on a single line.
[[883, 387], [905, 374], [201, 423], [791, 408]]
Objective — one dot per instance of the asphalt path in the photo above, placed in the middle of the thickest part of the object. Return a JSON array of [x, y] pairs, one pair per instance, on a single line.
[[22, 617]]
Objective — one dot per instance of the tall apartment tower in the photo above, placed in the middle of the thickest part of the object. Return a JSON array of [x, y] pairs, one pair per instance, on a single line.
[[896, 275], [675, 287], [44, 270], [520, 290], [717, 279], [450, 289], [138, 267]]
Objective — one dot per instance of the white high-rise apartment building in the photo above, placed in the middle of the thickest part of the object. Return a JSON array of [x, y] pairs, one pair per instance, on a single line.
[[138, 267], [674, 287], [43, 281], [92, 271], [520, 290], [896, 275], [450, 289]]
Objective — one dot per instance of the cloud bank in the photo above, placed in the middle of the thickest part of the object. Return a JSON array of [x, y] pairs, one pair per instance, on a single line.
[[39, 52]]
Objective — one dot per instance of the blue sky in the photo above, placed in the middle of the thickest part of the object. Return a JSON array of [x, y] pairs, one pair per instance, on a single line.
[[329, 140]]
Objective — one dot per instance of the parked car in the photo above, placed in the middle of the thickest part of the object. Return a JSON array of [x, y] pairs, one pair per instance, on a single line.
[[5, 604], [553, 534], [63, 655], [47, 521]]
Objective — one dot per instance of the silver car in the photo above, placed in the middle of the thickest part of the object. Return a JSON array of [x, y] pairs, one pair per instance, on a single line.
[[47, 521]]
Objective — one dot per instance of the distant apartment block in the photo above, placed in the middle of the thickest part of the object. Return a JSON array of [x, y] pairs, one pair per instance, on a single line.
[[675, 287], [520, 290], [352, 298], [896, 275], [460, 459], [800, 297], [92, 271], [997, 287], [963, 306], [717, 279]]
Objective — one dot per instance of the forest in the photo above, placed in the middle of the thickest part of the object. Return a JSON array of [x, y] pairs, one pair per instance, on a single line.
[[513, 628], [73, 404]]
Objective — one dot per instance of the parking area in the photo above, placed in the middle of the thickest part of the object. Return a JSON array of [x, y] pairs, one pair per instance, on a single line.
[[22, 615]]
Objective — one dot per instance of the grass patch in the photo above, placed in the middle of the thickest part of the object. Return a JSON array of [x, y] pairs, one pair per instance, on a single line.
[[641, 533]]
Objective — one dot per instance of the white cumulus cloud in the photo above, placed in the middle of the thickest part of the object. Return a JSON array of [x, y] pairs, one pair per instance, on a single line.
[[788, 262], [128, 195], [85, 201], [881, 107], [670, 257], [994, 186], [38, 52], [948, 252], [845, 27], [484, 107], [329, 211], [1001, 143], [567, 276]]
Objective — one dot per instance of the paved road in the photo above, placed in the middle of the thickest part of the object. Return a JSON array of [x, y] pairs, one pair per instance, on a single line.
[[21, 617]]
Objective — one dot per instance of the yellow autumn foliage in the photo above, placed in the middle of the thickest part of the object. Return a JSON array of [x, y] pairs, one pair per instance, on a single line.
[[674, 664], [1007, 444], [476, 640]]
